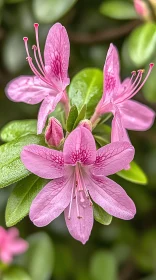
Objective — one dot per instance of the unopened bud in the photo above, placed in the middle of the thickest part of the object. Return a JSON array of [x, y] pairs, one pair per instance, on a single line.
[[87, 124], [54, 133], [142, 9]]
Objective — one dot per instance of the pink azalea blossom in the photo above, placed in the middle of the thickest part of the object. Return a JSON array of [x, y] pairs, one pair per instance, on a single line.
[[116, 97], [79, 175], [51, 78], [11, 244]]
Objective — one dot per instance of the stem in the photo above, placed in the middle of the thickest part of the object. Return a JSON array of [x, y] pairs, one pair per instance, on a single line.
[[95, 119], [66, 104]]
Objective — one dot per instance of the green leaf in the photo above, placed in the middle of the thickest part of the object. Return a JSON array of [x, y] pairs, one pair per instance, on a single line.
[[135, 174], [118, 10], [11, 167], [101, 216], [16, 129], [39, 259], [15, 273], [86, 88], [59, 114], [141, 43], [20, 200], [103, 266], [81, 116], [73, 114], [48, 11], [102, 134]]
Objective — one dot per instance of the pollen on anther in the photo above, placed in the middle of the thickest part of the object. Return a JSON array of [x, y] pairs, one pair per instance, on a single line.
[[151, 65], [25, 39], [36, 25], [133, 73], [34, 47]]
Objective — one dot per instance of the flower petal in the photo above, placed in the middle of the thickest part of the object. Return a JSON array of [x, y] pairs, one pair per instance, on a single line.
[[6, 256], [111, 197], [113, 158], [80, 228], [118, 133], [44, 162], [111, 73], [48, 106], [51, 201], [136, 116], [19, 246], [27, 89], [56, 53], [79, 147]]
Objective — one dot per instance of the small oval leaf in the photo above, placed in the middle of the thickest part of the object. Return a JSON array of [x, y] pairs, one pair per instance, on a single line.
[[73, 114], [39, 259], [11, 167], [141, 43], [20, 200], [101, 216], [86, 88], [118, 10], [135, 174], [16, 129], [48, 11]]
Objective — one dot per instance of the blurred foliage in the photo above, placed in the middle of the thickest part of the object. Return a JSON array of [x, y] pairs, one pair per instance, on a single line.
[[122, 250]]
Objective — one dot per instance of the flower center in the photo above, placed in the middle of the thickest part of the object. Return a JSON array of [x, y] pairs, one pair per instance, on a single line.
[[79, 192]]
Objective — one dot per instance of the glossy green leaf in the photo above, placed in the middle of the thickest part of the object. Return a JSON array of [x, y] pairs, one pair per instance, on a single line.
[[15, 273], [16, 129], [73, 114], [81, 116], [118, 9], [59, 114], [101, 216], [11, 167], [48, 11], [86, 88], [103, 266], [39, 259], [135, 174], [20, 200], [142, 42]]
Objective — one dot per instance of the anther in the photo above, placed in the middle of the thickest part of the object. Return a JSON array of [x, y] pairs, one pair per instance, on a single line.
[[36, 25], [34, 47], [151, 65], [133, 73], [25, 39]]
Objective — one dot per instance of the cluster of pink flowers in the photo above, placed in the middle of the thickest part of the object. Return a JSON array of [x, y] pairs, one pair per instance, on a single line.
[[11, 244], [78, 170]]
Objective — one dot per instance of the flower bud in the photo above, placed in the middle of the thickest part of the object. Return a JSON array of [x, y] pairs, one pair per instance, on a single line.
[[54, 133], [87, 124], [142, 9]]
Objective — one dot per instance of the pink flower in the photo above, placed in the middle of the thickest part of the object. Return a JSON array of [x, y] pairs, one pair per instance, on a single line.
[[54, 132], [11, 244], [79, 175], [50, 80], [116, 97]]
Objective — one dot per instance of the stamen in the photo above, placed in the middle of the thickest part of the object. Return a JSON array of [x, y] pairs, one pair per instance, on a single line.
[[35, 49], [77, 207], [25, 39], [70, 205], [36, 25], [142, 84]]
